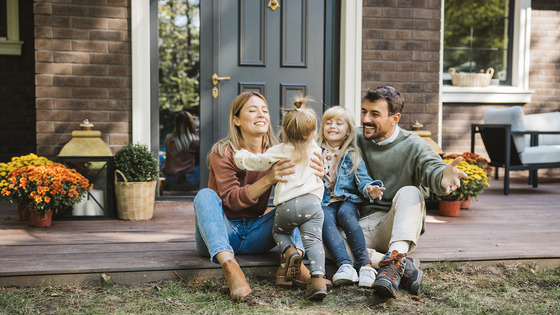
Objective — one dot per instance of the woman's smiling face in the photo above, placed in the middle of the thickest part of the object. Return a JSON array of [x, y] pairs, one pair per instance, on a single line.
[[253, 118]]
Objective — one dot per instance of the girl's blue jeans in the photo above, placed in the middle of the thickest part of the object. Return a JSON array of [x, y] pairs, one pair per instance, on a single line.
[[345, 215], [214, 232]]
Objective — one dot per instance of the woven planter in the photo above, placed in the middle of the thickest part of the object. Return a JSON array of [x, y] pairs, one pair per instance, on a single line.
[[471, 79], [135, 200]]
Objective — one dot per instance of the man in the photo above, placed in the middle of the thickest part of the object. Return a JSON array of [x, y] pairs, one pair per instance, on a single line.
[[403, 162]]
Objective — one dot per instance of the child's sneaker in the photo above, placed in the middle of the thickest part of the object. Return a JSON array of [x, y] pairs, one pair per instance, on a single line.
[[367, 276], [345, 275]]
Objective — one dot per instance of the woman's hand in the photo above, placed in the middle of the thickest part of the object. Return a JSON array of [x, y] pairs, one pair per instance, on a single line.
[[279, 169], [317, 165]]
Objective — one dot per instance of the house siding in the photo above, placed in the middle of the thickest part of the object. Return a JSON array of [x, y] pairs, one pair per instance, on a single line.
[[400, 48], [83, 71]]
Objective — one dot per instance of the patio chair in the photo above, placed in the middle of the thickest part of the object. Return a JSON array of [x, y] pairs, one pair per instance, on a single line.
[[510, 145]]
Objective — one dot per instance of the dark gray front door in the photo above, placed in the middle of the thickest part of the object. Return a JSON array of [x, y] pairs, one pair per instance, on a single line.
[[279, 53]]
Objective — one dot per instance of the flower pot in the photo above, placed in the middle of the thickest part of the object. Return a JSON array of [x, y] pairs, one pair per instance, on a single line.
[[24, 211], [449, 208], [40, 219], [466, 203]]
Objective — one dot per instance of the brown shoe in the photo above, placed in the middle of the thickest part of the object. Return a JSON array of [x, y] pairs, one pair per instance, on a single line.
[[302, 281], [293, 262], [316, 289], [238, 286]]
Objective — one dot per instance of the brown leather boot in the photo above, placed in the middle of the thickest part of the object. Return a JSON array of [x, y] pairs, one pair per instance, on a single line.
[[293, 262], [316, 289], [281, 274], [238, 286], [302, 281]]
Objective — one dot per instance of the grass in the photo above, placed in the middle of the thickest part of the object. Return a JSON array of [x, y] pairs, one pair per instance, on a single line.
[[447, 289]]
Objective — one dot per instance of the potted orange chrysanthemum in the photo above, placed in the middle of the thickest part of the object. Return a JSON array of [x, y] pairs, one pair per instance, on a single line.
[[45, 189]]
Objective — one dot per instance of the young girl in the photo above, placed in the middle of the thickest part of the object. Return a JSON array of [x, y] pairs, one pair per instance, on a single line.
[[345, 179], [298, 199]]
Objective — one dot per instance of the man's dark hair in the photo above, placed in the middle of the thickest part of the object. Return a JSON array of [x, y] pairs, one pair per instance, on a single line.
[[387, 93]]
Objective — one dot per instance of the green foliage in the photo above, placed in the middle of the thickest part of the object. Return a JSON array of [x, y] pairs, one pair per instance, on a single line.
[[137, 163], [179, 54], [475, 34]]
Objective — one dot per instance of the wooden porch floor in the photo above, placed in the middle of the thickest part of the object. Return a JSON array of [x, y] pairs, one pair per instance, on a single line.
[[522, 226]]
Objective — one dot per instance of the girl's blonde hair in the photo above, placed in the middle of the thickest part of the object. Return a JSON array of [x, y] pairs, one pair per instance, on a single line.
[[234, 138], [339, 112], [298, 128]]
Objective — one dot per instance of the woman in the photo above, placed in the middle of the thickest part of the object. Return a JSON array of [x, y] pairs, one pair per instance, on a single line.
[[182, 149], [230, 214]]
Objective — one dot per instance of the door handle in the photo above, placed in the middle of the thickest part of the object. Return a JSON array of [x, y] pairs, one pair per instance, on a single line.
[[216, 79]]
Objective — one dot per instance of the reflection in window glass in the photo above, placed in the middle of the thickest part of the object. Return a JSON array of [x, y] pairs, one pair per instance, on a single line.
[[477, 36]]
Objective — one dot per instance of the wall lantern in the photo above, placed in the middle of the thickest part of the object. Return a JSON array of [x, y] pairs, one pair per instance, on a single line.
[[90, 156]]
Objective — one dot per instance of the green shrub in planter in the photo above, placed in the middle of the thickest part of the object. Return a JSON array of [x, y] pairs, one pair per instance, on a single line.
[[137, 163]]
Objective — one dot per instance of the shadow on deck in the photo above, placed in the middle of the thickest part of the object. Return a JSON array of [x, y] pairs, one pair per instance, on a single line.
[[523, 226]]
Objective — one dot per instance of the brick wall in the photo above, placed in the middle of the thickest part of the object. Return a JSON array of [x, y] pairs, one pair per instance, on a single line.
[[400, 47], [17, 96], [83, 71]]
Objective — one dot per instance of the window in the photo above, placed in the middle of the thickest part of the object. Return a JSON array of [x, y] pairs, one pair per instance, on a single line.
[[476, 37], [9, 28], [479, 34]]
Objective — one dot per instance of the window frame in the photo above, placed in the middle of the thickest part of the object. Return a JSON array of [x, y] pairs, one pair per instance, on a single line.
[[11, 45], [518, 91]]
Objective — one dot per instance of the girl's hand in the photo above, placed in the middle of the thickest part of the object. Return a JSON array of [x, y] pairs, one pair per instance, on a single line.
[[279, 169], [375, 192], [317, 165]]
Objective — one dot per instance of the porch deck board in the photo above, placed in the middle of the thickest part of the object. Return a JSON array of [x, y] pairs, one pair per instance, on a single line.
[[524, 225]]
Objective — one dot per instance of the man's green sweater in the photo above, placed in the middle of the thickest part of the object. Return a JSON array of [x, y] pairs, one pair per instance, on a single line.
[[407, 161]]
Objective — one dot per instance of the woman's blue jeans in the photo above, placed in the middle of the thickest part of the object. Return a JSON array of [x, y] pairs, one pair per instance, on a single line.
[[345, 215], [215, 233]]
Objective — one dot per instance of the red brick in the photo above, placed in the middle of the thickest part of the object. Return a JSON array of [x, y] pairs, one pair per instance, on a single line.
[[396, 34], [411, 45], [70, 10], [54, 91], [92, 116], [89, 70], [109, 35], [112, 127], [66, 127], [120, 70], [52, 68], [43, 32], [426, 14], [44, 103], [89, 23], [71, 104], [54, 115], [67, 33], [381, 3], [113, 59], [89, 93], [50, 20], [118, 25], [53, 138], [43, 55], [108, 104], [425, 35], [119, 47], [396, 76], [120, 117], [71, 57], [415, 4], [396, 55], [89, 46], [119, 139], [397, 13], [425, 55], [108, 12], [109, 82], [120, 93], [71, 81], [425, 77], [43, 79], [42, 8], [44, 126], [411, 66], [52, 44]]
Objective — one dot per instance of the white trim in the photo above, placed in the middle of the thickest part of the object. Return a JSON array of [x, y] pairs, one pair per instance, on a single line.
[[440, 91], [519, 91], [11, 45], [140, 24], [351, 56]]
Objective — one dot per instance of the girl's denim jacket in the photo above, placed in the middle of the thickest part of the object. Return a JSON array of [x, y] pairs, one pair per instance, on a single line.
[[347, 184]]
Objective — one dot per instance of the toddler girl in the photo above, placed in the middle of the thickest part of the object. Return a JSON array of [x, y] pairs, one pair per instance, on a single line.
[[298, 199], [345, 179]]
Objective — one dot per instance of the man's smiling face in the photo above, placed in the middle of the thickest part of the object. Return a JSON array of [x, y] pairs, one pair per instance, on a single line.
[[377, 123]]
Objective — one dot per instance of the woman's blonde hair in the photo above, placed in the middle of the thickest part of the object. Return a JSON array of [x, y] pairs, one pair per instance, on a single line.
[[234, 138], [339, 112], [298, 128]]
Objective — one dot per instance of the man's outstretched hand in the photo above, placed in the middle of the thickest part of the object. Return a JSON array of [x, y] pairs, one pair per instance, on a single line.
[[451, 176]]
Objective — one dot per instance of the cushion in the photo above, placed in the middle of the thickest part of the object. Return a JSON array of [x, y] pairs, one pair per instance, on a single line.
[[508, 116], [541, 154], [543, 122]]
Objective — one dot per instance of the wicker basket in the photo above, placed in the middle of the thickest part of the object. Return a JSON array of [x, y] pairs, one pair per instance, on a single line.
[[471, 79], [135, 200]]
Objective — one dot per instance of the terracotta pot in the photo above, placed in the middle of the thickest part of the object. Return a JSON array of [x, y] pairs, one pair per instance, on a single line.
[[449, 208], [24, 211], [40, 219], [466, 203]]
